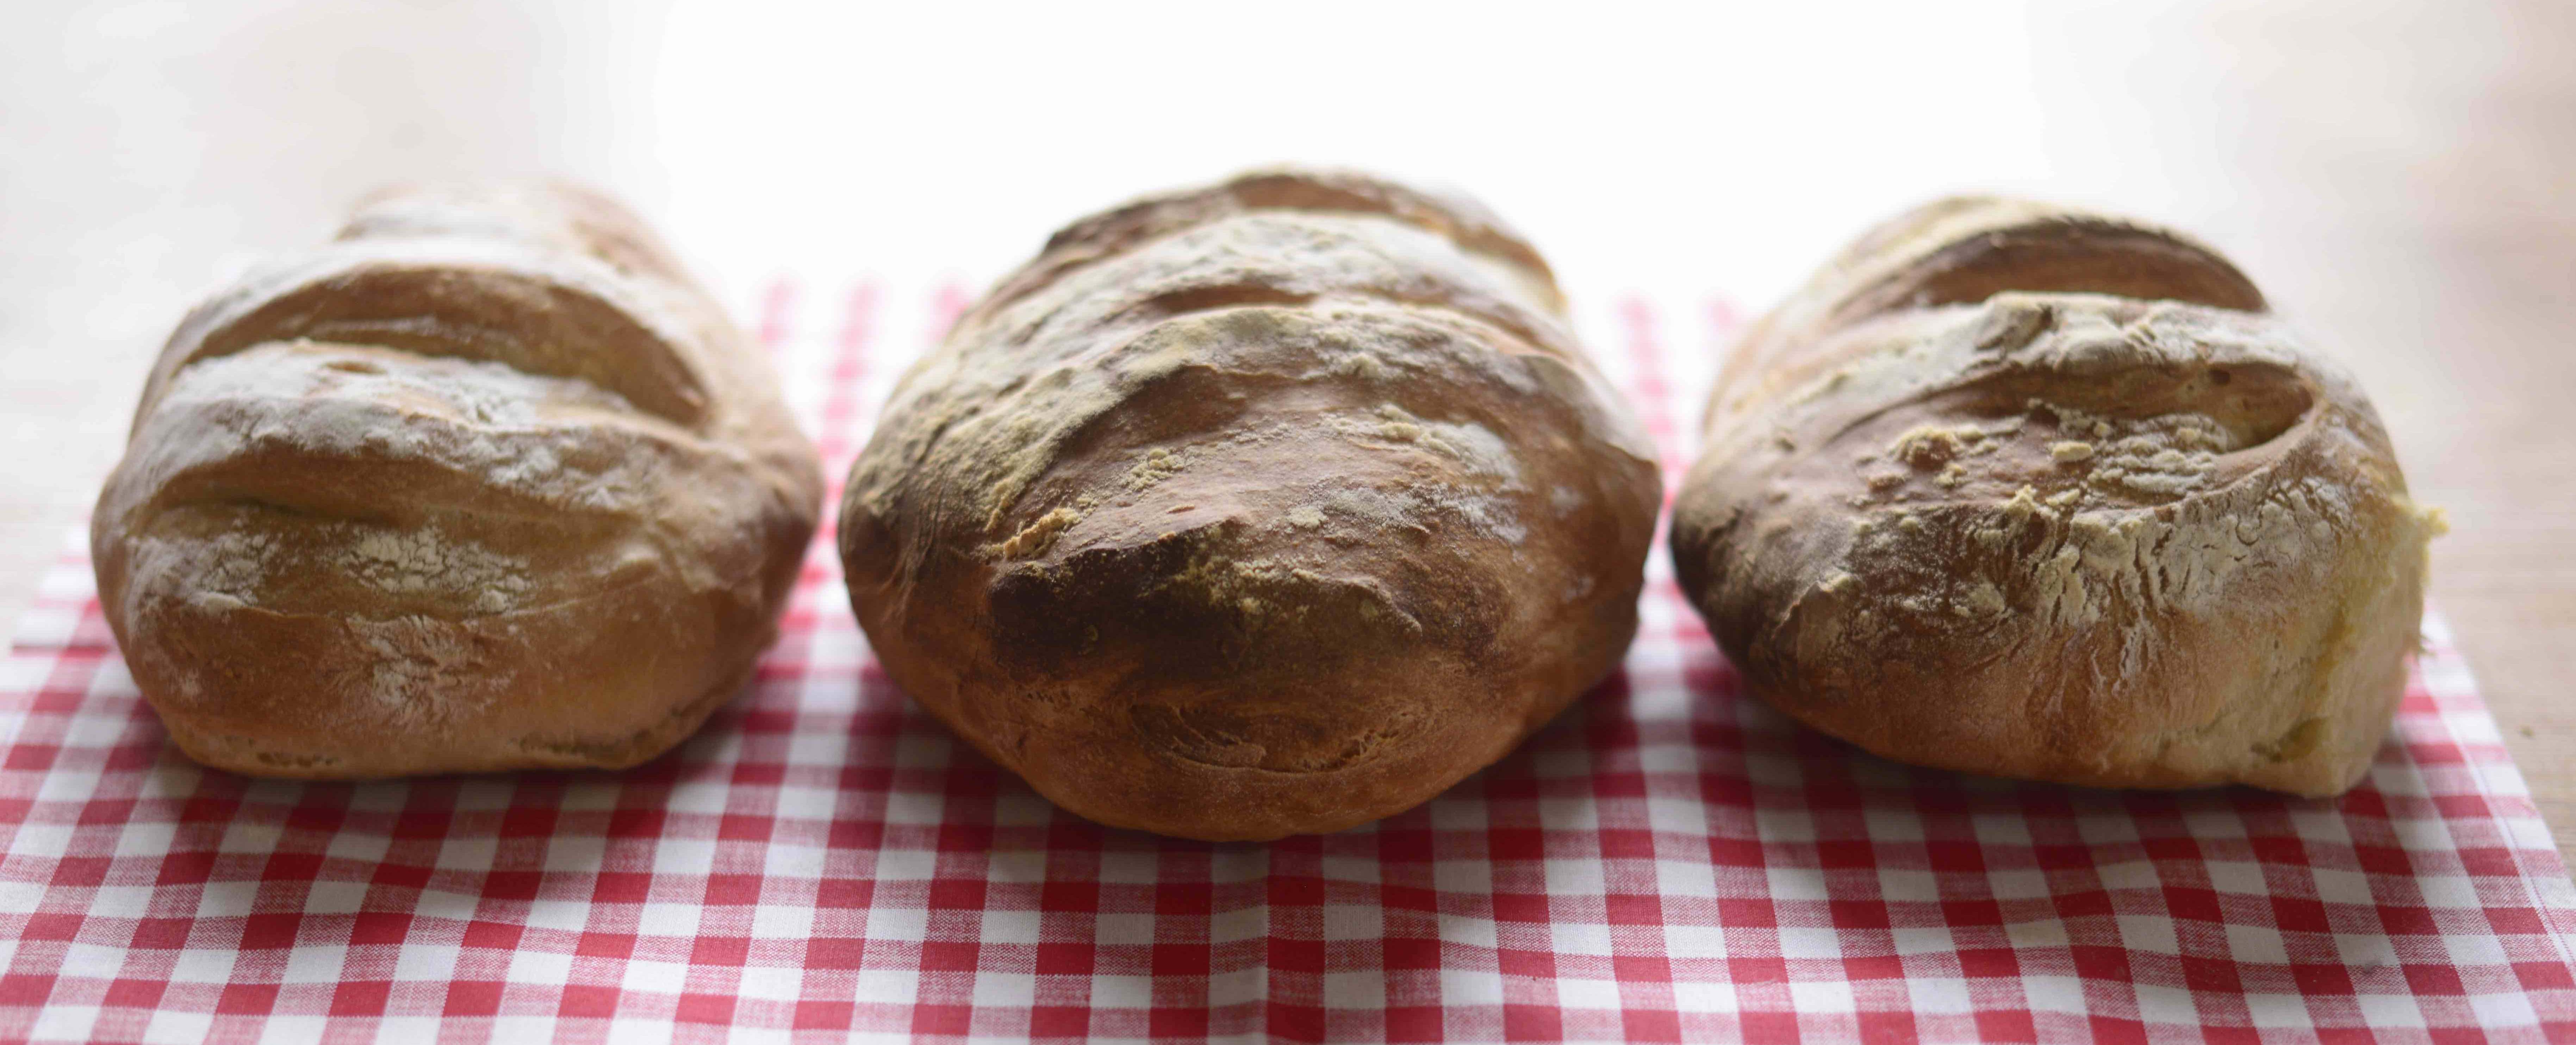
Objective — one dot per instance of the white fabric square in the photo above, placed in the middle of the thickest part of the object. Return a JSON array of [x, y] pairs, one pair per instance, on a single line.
[[2165, 1005], [1248, 923], [2054, 993], [907, 865], [900, 923], [1129, 869], [328, 897], [1470, 987], [20, 897], [2503, 1010], [2018, 884], [1468, 930], [1899, 884], [2282, 1010], [2255, 943], [1577, 876], [2388, 1010], [416, 961], [1939, 994], [2129, 874], [659, 918], [529, 965], [89, 960], [1797, 883], [655, 977], [1806, 942], [1572, 937], [2340, 887], [2153, 933], [768, 983], [1353, 922], [315, 963], [130, 901], [999, 989], [1003, 926], [173, 1027], [1354, 990], [1575, 992], [1111, 929], [2036, 933], [781, 921], [1822, 996]]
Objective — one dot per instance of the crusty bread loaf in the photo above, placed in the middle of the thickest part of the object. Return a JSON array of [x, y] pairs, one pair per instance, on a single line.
[[485, 483], [2030, 492], [1268, 508]]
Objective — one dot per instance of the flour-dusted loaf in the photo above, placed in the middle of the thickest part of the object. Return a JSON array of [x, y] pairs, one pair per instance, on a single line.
[[1268, 508], [2031, 492], [485, 483]]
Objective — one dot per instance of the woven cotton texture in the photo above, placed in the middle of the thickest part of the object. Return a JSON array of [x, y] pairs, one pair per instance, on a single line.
[[1670, 861]]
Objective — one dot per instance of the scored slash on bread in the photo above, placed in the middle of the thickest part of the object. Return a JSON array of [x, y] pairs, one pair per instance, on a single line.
[[2020, 490], [485, 483]]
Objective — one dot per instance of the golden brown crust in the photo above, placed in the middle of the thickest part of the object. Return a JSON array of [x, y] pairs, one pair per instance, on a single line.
[[2029, 492], [1270, 508], [486, 483]]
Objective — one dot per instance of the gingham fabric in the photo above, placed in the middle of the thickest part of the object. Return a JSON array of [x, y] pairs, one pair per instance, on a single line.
[[1668, 862]]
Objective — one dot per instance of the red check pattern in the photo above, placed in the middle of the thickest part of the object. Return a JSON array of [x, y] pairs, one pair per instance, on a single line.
[[1669, 862]]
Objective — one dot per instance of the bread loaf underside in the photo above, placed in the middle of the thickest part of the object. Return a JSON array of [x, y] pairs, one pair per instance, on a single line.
[[485, 483], [1270, 508], [2025, 491]]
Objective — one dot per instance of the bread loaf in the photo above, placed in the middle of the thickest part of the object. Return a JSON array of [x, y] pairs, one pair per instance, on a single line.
[[1267, 508], [484, 483], [2030, 492]]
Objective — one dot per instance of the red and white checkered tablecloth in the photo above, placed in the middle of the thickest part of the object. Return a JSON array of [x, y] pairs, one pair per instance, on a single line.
[[1669, 862]]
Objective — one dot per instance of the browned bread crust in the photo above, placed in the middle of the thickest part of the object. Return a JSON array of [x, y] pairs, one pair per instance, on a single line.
[[2025, 491], [1267, 508], [485, 483]]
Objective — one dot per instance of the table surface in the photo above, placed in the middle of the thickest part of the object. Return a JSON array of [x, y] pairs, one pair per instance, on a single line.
[[2416, 214]]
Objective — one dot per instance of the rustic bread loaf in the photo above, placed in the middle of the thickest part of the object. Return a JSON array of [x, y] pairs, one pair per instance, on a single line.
[[1267, 508], [2030, 492], [485, 483]]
